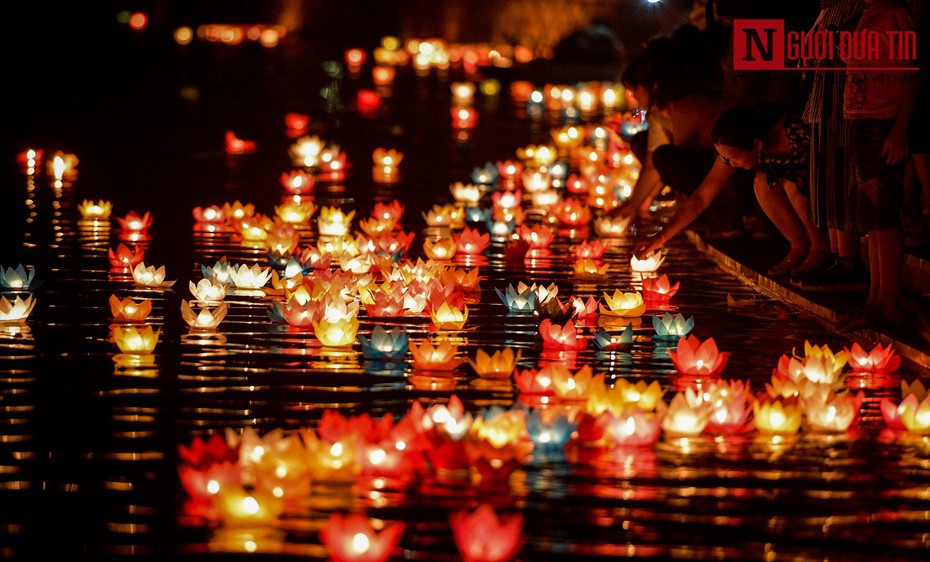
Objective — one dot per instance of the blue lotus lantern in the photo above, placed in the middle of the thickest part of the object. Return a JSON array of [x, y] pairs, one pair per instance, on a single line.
[[385, 344], [485, 175], [607, 341], [16, 279], [669, 327], [549, 432], [518, 302]]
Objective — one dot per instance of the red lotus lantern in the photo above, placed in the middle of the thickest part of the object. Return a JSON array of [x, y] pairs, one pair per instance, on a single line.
[[483, 536], [560, 337], [698, 359], [235, 145], [354, 538]]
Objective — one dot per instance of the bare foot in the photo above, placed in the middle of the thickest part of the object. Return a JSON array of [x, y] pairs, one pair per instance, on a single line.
[[790, 262], [812, 262]]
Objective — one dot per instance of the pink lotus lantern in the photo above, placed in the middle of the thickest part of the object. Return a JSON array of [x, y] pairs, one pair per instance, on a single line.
[[444, 426], [535, 382], [509, 170], [593, 250], [204, 483], [30, 158], [913, 394], [296, 124], [392, 210], [658, 291], [235, 145], [472, 242], [127, 310], [355, 538], [878, 360], [297, 182], [538, 236], [124, 258], [482, 536], [560, 337], [833, 412], [386, 305], [698, 359], [133, 223], [506, 199], [632, 427], [209, 215], [730, 407]]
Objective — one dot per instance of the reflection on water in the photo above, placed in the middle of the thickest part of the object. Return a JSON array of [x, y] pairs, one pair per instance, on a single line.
[[89, 451]]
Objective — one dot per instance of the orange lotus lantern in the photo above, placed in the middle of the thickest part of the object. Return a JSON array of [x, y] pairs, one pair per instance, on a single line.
[[499, 365], [95, 211], [472, 242], [209, 215], [392, 210], [687, 415], [150, 276], [331, 460], [237, 211], [565, 337], [387, 158], [441, 357], [447, 317], [777, 416], [640, 394], [354, 537], [588, 268], [439, 249], [297, 182], [538, 236], [698, 359], [572, 213], [124, 258], [235, 145], [62, 165], [626, 305], [483, 536], [127, 310], [535, 382], [204, 320], [132, 340], [913, 393], [292, 212]]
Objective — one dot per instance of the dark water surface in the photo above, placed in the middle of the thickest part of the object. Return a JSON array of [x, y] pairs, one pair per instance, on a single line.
[[88, 447]]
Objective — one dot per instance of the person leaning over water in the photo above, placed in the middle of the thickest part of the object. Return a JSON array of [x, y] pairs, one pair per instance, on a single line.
[[775, 147]]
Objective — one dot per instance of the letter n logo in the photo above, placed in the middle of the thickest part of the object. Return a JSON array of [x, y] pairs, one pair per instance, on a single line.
[[758, 44]]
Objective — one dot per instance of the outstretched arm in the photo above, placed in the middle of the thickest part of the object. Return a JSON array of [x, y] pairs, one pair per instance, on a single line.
[[690, 209]]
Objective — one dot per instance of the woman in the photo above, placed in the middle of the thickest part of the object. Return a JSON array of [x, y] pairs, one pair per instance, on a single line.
[[776, 148]]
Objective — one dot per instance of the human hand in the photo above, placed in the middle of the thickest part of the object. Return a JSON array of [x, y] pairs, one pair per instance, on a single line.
[[647, 247], [895, 147]]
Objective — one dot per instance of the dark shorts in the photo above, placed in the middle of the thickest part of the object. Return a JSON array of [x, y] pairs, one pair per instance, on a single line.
[[879, 187]]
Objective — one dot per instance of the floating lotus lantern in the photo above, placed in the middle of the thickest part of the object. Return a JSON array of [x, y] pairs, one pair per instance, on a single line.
[[235, 145], [472, 242], [913, 393], [669, 327], [236, 211], [254, 228], [205, 320], [439, 249], [497, 443], [555, 311], [95, 211], [545, 199], [334, 222], [367, 101], [382, 75], [150, 276], [573, 387], [280, 465], [777, 416], [203, 483], [658, 291], [385, 344], [485, 175], [30, 158], [612, 227], [572, 213], [501, 229], [590, 269], [538, 236], [443, 427], [632, 427], [498, 365], [17, 279], [297, 313], [833, 413], [431, 357], [463, 93], [355, 538], [296, 123], [536, 181], [245, 277], [509, 170], [729, 404], [62, 165], [355, 58], [915, 413], [209, 290], [209, 215], [607, 341], [518, 301], [687, 415], [128, 310], [593, 250], [135, 341], [241, 508], [879, 360], [447, 317], [698, 359], [555, 336], [626, 305], [464, 118], [306, 151], [549, 431], [17, 311], [648, 265], [535, 382], [467, 194], [644, 396], [585, 310], [133, 223], [297, 182], [482, 536], [292, 212]]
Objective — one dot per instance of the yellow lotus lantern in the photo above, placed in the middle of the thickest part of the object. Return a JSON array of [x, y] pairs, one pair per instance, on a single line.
[[306, 151], [237, 211], [245, 277], [441, 357], [133, 340], [467, 194], [292, 212], [127, 310], [205, 320], [612, 227], [241, 508], [915, 415], [439, 216], [650, 264], [627, 305], [499, 365], [573, 387], [781, 387], [333, 221], [339, 333], [150, 276], [448, 317], [833, 413], [643, 395], [375, 226], [777, 416], [95, 211], [17, 311], [588, 268], [687, 415], [439, 249]]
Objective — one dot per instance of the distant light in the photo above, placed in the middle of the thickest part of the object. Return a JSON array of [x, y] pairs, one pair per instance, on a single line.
[[269, 38], [138, 21], [390, 43], [183, 35], [122, 17]]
